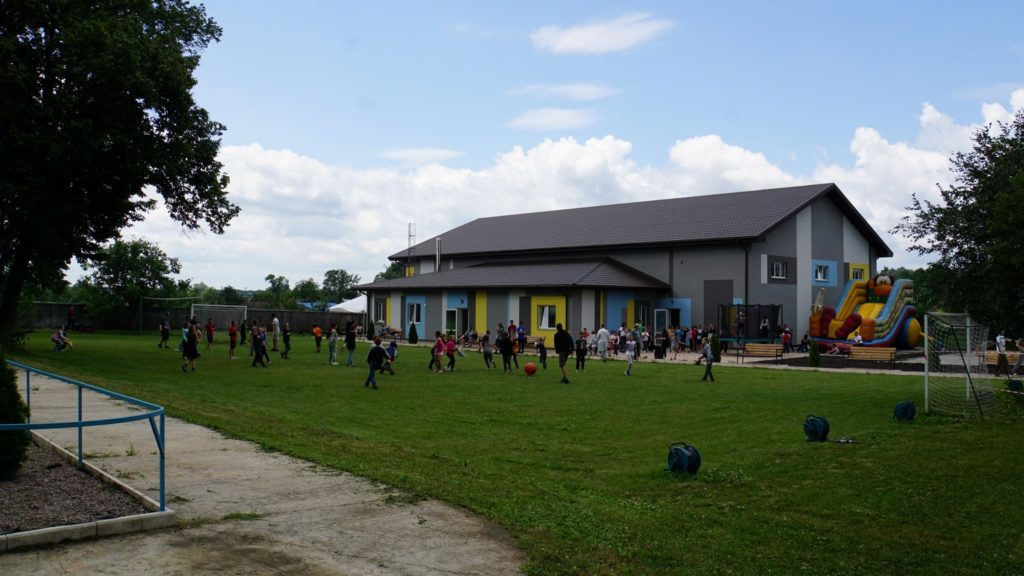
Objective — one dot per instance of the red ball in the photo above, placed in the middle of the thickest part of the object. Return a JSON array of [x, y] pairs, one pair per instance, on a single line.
[[530, 368]]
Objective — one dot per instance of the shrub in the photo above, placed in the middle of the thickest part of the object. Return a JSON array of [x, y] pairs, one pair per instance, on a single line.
[[814, 358], [13, 444], [413, 336], [370, 332], [716, 348]]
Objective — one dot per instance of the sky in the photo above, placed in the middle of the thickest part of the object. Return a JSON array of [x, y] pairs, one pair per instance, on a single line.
[[348, 121]]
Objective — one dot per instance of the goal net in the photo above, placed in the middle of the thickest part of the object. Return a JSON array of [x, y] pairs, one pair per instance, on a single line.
[[222, 315], [956, 379]]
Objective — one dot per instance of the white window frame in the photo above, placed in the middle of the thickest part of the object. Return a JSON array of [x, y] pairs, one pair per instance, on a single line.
[[857, 274], [415, 313], [821, 273], [380, 310], [780, 270], [547, 316]]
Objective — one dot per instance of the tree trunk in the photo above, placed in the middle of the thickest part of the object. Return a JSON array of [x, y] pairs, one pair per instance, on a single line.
[[10, 299]]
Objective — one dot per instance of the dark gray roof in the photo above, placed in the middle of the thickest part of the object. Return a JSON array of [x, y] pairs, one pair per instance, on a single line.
[[593, 273], [717, 218]]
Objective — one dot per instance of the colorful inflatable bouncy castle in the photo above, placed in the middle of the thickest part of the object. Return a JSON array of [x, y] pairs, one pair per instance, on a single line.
[[880, 310]]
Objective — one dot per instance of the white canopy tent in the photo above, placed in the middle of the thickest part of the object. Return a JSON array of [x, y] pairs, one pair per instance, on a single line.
[[356, 305]]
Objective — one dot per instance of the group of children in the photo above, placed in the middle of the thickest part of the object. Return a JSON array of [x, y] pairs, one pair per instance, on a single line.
[[380, 359]]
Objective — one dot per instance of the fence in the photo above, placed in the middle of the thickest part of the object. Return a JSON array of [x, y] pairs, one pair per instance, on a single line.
[[152, 412], [54, 314]]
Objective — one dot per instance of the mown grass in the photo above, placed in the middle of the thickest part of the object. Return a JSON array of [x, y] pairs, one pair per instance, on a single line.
[[576, 472]]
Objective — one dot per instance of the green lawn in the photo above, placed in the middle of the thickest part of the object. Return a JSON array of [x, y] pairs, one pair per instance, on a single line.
[[576, 471]]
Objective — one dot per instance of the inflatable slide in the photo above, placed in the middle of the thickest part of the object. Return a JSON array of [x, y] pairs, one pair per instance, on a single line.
[[879, 310]]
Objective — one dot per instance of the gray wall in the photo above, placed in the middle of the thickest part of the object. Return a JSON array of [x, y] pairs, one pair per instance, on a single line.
[[693, 266]]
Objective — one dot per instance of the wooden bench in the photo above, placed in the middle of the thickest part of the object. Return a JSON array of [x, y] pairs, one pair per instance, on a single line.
[[873, 353], [992, 357], [531, 344], [760, 350]]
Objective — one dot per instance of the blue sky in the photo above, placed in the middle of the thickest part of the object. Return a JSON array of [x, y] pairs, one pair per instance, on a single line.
[[346, 121]]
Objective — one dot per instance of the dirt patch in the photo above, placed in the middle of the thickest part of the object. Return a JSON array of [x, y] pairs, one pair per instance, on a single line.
[[49, 491]]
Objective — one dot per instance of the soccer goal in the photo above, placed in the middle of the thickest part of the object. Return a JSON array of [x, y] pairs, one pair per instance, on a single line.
[[956, 377], [153, 310], [222, 314]]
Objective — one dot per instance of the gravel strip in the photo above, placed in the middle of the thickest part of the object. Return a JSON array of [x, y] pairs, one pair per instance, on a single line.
[[48, 491]]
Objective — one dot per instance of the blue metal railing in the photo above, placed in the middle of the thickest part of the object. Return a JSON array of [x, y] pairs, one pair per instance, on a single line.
[[154, 412]]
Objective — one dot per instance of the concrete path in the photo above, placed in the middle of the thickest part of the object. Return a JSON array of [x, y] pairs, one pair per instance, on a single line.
[[291, 518]]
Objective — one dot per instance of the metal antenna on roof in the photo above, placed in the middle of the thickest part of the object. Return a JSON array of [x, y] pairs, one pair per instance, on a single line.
[[411, 251]]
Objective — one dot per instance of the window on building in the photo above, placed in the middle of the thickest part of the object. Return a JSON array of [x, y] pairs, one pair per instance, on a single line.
[[821, 273], [858, 274], [546, 316], [379, 313], [780, 270], [414, 313]]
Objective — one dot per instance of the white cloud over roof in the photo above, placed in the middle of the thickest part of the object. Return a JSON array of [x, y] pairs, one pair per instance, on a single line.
[[601, 36]]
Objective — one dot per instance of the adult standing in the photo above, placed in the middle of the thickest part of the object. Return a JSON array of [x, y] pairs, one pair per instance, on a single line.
[[275, 325], [602, 343], [1001, 362], [709, 359], [563, 347], [350, 344]]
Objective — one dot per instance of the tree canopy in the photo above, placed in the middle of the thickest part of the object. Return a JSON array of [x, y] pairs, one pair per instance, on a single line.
[[337, 285], [98, 123], [124, 272], [976, 231]]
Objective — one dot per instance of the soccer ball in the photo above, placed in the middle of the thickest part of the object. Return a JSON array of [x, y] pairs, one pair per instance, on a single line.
[[530, 368]]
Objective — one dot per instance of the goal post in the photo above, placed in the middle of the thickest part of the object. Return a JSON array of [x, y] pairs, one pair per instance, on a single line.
[[956, 377], [150, 318], [221, 314]]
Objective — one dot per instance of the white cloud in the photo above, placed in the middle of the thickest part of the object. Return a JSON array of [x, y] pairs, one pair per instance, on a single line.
[[420, 156], [301, 217], [601, 37], [708, 162], [579, 91], [549, 119]]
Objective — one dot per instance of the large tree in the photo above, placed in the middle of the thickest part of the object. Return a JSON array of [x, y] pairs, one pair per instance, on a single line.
[[976, 231], [394, 270], [98, 122], [123, 273], [337, 285]]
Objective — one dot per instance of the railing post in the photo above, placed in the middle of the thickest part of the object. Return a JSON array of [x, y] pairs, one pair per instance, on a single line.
[[80, 466], [163, 484], [28, 394]]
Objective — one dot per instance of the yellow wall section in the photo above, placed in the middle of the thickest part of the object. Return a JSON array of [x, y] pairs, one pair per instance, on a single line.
[[864, 268], [410, 271], [481, 312], [537, 301]]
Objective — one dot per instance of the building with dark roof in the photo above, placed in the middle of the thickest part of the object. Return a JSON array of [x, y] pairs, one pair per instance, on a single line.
[[657, 263]]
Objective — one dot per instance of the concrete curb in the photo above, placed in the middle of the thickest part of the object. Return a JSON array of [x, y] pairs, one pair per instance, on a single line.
[[154, 520]]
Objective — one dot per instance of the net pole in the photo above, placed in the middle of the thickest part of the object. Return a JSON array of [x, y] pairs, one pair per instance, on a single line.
[[970, 356], [927, 363]]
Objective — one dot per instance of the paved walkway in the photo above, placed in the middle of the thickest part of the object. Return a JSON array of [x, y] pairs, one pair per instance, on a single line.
[[295, 518]]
